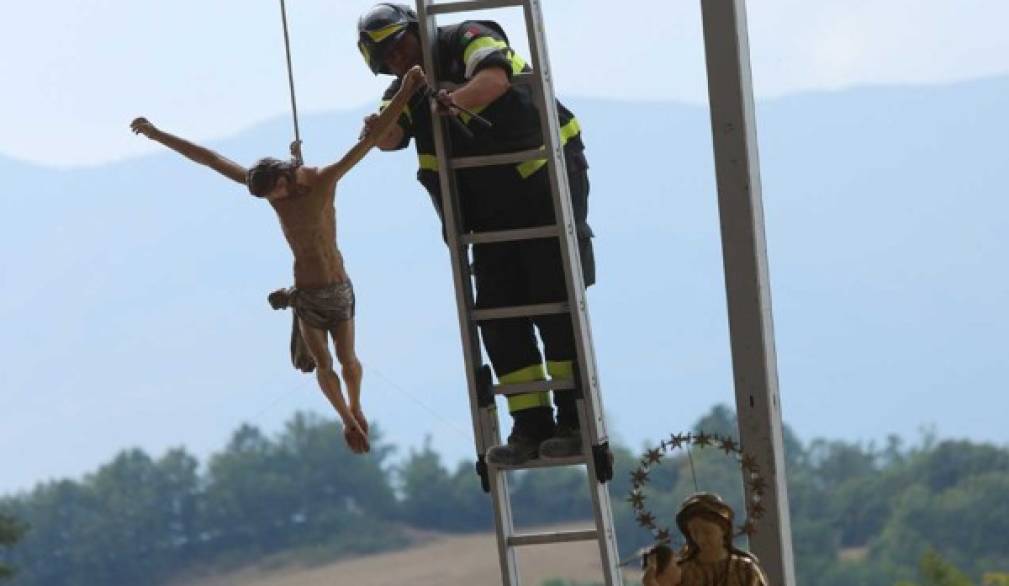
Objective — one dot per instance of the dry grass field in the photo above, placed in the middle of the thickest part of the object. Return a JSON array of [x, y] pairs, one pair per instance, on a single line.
[[437, 560]]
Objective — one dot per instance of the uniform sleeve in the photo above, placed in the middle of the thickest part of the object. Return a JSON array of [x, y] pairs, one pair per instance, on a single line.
[[481, 47], [405, 120]]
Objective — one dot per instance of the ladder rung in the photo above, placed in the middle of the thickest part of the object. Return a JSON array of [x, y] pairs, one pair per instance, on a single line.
[[503, 159], [534, 387], [519, 311], [470, 5], [524, 79], [553, 537], [511, 235], [542, 463]]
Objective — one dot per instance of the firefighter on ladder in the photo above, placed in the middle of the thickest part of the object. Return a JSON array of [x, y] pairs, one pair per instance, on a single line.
[[476, 56]]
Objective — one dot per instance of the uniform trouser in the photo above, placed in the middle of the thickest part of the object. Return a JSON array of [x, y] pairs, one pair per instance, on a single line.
[[530, 272]]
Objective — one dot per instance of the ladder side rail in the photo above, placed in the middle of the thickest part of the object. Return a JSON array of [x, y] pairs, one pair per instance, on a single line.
[[427, 26], [564, 213], [504, 526], [747, 282], [485, 424], [590, 406], [602, 511]]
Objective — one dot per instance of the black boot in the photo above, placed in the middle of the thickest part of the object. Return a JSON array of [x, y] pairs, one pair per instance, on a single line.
[[531, 427], [567, 439]]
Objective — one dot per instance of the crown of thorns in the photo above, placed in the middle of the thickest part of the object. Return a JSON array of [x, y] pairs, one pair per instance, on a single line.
[[652, 457]]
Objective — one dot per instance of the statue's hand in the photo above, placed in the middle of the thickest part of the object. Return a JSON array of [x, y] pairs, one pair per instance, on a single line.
[[369, 125], [414, 79], [279, 299], [650, 576], [143, 126]]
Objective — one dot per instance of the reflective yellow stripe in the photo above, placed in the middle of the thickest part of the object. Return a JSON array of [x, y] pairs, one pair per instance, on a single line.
[[561, 368], [528, 400], [476, 110], [568, 131], [428, 162], [386, 31], [518, 63], [523, 375], [365, 52], [482, 43]]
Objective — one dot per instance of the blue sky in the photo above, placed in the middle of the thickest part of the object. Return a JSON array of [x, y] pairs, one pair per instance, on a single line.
[[76, 71]]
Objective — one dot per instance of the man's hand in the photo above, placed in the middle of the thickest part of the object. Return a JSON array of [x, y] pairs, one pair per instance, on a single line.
[[296, 152], [143, 126], [446, 103]]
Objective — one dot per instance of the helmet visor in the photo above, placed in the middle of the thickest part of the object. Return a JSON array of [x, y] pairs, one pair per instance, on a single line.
[[375, 44]]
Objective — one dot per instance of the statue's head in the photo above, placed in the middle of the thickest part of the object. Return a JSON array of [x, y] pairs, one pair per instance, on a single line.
[[272, 178], [706, 522]]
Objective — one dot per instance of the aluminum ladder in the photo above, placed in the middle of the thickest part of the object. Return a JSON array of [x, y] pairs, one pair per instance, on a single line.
[[596, 458]]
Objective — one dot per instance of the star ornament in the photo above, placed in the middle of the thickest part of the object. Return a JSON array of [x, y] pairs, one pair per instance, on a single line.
[[652, 457], [646, 519]]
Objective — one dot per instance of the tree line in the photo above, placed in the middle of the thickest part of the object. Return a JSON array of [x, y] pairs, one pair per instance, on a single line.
[[861, 513]]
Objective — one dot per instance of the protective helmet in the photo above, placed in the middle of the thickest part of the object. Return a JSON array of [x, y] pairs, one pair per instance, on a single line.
[[379, 29]]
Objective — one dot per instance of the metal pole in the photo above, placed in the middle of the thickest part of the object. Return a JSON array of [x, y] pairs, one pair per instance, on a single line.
[[747, 284], [290, 72]]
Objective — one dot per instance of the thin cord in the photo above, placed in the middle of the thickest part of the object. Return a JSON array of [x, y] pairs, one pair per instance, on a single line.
[[690, 457], [281, 395], [431, 411], [290, 72], [287, 391]]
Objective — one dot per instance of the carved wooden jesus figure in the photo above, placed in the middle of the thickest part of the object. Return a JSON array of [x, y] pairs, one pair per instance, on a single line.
[[322, 297]]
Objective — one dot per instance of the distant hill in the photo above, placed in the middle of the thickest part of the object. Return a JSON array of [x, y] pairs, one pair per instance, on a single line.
[[134, 305]]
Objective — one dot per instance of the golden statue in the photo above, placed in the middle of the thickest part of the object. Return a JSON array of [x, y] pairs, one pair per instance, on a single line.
[[708, 558]]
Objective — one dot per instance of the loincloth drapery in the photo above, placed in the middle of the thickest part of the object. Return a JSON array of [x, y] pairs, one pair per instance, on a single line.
[[323, 308]]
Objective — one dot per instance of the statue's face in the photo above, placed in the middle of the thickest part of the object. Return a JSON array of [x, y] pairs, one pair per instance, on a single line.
[[706, 534]]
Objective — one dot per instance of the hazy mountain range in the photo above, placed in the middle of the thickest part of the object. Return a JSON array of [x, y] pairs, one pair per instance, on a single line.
[[133, 294]]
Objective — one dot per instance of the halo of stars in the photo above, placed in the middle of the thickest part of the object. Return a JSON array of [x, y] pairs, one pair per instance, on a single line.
[[653, 457]]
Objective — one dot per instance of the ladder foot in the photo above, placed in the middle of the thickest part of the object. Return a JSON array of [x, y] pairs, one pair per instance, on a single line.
[[603, 459], [481, 470]]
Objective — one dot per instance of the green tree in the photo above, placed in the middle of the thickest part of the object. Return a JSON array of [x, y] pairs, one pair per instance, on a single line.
[[935, 571], [10, 532], [427, 490]]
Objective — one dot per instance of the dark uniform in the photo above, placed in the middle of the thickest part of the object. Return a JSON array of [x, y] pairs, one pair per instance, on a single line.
[[503, 197]]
